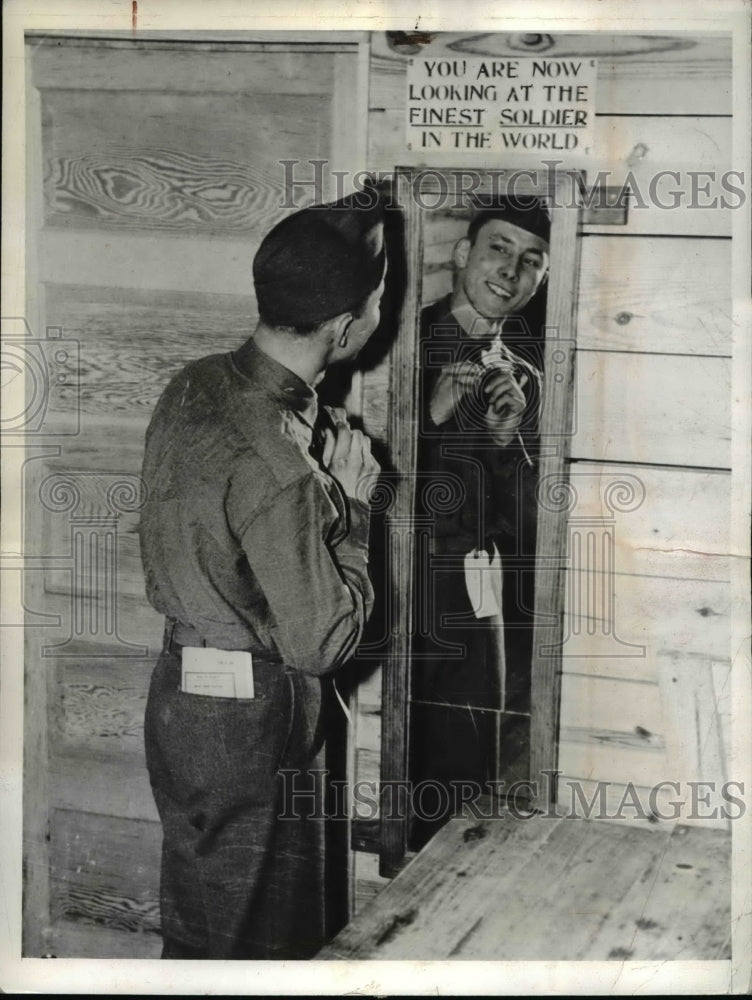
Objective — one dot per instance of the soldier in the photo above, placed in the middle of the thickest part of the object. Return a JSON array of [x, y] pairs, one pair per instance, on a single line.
[[255, 548], [480, 395]]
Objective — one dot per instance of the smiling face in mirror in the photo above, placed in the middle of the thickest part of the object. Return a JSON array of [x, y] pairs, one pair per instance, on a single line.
[[500, 270]]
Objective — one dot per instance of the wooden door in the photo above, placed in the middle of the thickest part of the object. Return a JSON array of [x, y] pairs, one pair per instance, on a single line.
[[155, 168]]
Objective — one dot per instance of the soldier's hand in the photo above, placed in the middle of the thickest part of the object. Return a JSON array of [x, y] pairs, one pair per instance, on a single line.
[[453, 383], [348, 459], [506, 404]]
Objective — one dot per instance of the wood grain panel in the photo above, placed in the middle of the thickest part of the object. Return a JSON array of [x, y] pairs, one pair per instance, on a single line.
[[692, 706], [611, 705], [368, 882], [650, 614], [20, 526], [180, 162], [605, 755], [666, 522], [661, 73], [135, 171], [637, 150], [91, 544], [79, 939], [132, 342], [105, 871], [103, 704], [655, 156], [110, 784], [651, 808], [696, 696], [655, 295], [92, 493], [102, 587], [143, 263], [672, 410], [160, 189], [96, 67]]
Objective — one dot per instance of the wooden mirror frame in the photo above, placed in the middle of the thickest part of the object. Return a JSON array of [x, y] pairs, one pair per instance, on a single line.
[[413, 188]]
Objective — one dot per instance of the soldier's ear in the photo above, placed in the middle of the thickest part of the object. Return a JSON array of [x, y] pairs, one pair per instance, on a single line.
[[343, 334], [341, 327], [460, 252]]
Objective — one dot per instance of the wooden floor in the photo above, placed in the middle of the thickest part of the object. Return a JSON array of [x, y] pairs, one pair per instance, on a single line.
[[552, 889]]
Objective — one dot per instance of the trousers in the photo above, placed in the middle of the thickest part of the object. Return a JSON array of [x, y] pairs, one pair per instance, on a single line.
[[242, 873]]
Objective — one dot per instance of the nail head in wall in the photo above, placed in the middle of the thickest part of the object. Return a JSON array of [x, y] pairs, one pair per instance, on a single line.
[[408, 43], [639, 152], [705, 612]]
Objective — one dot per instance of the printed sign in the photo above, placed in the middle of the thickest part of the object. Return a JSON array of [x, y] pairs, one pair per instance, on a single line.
[[516, 105]]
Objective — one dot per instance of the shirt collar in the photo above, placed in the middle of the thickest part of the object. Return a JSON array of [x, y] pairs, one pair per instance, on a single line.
[[283, 385], [477, 327]]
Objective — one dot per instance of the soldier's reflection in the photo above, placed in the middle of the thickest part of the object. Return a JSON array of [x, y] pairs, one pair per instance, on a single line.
[[481, 379]]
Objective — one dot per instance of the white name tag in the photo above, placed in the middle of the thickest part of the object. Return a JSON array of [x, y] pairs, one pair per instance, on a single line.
[[221, 673], [483, 582]]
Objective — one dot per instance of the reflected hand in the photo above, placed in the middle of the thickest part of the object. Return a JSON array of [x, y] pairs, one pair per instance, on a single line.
[[453, 383], [506, 403]]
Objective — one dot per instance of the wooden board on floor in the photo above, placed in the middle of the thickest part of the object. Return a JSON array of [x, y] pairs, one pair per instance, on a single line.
[[557, 895]]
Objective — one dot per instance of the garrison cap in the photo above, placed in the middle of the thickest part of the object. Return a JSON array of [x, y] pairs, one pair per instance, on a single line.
[[525, 211], [321, 261]]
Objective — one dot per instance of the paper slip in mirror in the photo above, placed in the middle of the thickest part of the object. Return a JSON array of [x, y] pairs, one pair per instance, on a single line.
[[221, 673], [483, 582]]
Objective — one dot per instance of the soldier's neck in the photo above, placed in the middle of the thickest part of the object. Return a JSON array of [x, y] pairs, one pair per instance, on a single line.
[[476, 327], [303, 355]]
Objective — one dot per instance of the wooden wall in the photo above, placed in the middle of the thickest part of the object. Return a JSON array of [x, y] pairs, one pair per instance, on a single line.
[[650, 452]]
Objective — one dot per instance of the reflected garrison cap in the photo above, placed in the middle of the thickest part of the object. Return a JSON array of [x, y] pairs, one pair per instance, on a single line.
[[527, 212], [320, 262]]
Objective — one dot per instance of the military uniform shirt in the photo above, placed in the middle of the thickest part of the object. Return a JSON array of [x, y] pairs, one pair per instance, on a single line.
[[244, 536]]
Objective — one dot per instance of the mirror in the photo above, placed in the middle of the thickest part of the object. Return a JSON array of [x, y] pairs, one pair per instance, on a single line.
[[480, 398]]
